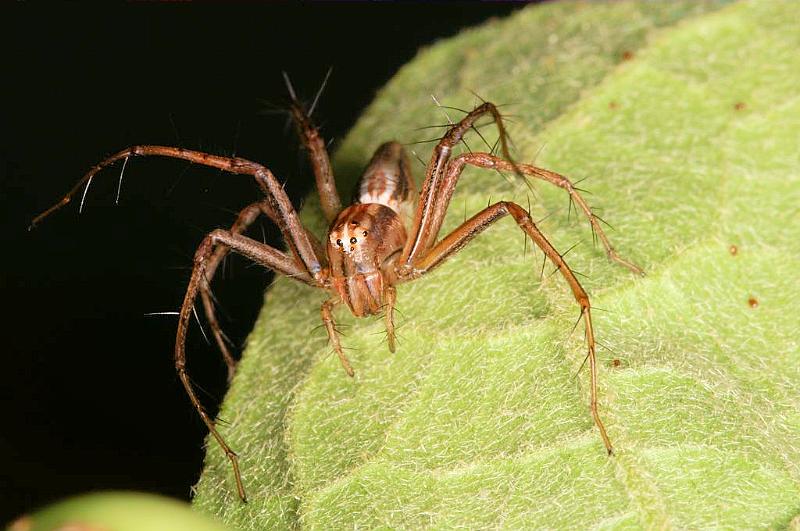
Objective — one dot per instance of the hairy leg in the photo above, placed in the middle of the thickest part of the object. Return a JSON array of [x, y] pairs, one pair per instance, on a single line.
[[485, 160], [320, 162], [246, 217], [426, 225], [333, 335], [243, 221], [260, 253], [285, 217], [391, 301], [457, 239]]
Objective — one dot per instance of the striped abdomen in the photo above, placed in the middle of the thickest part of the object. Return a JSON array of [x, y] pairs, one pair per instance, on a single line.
[[387, 180]]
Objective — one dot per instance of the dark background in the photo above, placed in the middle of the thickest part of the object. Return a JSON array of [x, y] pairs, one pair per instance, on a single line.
[[89, 395]]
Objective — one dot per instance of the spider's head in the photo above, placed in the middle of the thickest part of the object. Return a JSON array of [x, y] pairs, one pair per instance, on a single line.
[[349, 237], [361, 243], [362, 237]]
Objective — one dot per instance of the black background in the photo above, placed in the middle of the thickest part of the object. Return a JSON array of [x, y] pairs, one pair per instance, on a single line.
[[89, 395]]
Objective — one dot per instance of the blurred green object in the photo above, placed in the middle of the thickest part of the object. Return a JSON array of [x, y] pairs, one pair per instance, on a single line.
[[117, 511]]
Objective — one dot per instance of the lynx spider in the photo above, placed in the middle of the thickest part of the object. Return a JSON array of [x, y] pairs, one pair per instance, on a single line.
[[379, 241]]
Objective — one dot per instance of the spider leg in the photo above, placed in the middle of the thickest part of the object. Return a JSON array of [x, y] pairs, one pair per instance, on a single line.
[[318, 157], [333, 334], [485, 160], [302, 264], [391, 300], [426, 223], [244, 220], [457, 239], [258, 252], [286, 217]]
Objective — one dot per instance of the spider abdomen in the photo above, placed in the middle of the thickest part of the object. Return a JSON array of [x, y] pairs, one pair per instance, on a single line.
[[388, 180]]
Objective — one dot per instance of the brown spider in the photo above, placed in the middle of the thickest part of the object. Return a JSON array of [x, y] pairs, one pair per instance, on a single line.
[[372, 245]]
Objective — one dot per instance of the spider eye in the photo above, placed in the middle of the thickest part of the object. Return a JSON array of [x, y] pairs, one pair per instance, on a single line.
[[353, 240], [365, 233], [339, 243]]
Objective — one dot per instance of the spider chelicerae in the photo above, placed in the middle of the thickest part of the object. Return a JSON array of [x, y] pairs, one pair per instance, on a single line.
[[389, 235]]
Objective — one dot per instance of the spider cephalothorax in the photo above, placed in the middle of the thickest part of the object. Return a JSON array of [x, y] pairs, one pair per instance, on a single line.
[[362, 241], [388, 236]]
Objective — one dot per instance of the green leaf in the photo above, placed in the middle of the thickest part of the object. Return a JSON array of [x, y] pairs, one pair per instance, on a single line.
[[117, 510], [687, 133]]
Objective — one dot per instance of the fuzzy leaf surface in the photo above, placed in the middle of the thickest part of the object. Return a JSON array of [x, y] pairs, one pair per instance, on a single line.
[[685, 121]]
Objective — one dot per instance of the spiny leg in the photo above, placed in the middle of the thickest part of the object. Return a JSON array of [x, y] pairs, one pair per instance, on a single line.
[[303, 265], [457, 239], [486, 160], [390, 295], [286, 217], [317, 156], [244, 220], [333, 335], [426, 225], [260, 253]]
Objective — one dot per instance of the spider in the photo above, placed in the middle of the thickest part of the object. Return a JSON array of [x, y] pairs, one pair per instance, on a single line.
[[389, 235]]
